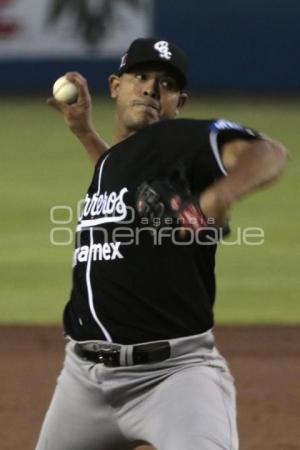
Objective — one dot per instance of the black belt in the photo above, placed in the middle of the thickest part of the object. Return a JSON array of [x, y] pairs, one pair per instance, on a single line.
[[109, 355]]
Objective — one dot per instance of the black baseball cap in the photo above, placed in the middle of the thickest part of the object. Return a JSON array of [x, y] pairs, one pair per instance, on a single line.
[[144, 50]]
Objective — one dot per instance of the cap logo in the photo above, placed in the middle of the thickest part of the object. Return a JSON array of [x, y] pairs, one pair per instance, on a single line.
[[123, 60], [163, 48]]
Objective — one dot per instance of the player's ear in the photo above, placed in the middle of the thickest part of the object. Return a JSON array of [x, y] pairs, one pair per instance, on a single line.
[[182, 99], [114, 85]]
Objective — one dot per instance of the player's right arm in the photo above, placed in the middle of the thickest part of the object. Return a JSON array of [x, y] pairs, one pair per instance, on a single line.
[[78, 117]]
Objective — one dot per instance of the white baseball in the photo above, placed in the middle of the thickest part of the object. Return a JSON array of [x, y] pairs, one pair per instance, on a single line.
[[64, 90]]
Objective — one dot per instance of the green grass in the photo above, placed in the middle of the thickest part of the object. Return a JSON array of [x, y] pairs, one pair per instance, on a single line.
[[43, 165]]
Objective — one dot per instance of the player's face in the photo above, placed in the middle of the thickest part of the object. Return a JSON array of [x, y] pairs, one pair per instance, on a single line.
[[144, 96]]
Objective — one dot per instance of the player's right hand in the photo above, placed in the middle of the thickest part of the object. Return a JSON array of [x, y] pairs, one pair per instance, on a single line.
[[78, 115]]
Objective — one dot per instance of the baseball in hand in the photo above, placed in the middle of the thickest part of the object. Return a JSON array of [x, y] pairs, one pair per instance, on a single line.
[[64, 90]]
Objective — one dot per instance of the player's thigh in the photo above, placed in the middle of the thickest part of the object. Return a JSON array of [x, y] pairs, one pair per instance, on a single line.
[[194, 409], [78, 417]]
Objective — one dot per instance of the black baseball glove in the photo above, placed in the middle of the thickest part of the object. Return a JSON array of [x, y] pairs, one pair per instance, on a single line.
[[162, 203]]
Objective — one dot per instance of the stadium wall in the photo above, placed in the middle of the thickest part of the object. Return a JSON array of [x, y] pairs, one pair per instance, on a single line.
[[232, 45]]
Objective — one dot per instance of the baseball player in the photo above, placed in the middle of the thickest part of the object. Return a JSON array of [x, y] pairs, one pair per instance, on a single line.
[[141, 362]]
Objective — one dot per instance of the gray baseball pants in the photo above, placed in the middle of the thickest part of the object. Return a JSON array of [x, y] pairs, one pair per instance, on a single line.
[[186, 402]]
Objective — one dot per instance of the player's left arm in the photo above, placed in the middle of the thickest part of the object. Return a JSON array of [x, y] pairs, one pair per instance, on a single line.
[[251, 164]]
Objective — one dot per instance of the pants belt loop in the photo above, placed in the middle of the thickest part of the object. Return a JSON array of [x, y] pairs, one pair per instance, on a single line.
[[128, 355], [123, 355]]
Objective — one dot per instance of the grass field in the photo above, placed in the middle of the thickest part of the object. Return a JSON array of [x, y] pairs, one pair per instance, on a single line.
[[42, 165]]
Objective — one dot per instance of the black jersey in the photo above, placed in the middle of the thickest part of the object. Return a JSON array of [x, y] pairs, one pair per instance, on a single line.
[[130, 285]]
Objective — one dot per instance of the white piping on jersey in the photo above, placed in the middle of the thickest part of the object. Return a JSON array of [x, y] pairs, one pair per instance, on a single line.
[[100, 173], [215, 148], [88, 270], [90, 292]]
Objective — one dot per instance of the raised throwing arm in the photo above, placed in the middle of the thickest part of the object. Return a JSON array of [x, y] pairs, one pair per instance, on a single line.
[[78, 117]]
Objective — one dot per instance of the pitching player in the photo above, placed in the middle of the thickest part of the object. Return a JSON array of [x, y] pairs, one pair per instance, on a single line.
[[141, 362]]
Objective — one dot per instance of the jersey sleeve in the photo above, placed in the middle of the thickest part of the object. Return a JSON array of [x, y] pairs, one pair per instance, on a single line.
[[222, 131], [190, 146]]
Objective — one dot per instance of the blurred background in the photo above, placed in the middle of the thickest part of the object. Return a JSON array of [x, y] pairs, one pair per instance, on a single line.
[[244, 66]]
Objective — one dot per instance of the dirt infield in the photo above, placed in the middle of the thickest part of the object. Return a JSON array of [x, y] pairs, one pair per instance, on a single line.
[[264, 360]]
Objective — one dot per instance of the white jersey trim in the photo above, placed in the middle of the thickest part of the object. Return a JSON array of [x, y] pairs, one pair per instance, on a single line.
[[88, 271], [100, 173], [90, 292], [213, 139]]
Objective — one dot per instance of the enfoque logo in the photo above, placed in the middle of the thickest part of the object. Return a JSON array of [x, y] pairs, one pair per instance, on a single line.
[[62, 232]]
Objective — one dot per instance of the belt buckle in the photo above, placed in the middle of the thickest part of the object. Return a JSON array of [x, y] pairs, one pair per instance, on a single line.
[[109, 356]]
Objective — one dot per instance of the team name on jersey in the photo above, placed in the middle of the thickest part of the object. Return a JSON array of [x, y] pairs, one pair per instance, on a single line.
[[103, 208], [97, 252]]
